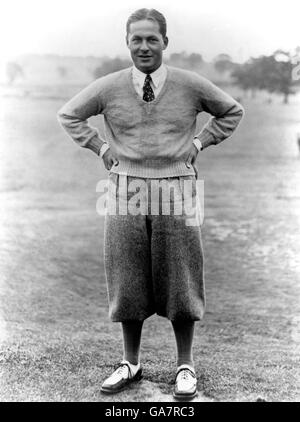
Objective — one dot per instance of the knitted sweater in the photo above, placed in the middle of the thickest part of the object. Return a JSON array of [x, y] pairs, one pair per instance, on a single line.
[[150, 139]]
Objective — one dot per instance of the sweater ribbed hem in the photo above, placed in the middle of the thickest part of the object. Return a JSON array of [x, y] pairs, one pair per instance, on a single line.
[[153, 169]]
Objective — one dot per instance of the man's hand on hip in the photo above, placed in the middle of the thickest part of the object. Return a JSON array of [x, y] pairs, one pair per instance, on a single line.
[[109, 160], [192, 158]]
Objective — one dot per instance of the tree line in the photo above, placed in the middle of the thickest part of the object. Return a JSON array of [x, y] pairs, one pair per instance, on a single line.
[[273, 73]]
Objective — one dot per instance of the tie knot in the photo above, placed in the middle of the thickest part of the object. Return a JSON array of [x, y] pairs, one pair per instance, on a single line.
[[148, 78]]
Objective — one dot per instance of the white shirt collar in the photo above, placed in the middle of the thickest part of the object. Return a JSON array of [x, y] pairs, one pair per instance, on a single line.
[[157, 76]]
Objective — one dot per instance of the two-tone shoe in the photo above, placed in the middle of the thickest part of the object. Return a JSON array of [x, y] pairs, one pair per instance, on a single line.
[[120, 379], [186, 383]]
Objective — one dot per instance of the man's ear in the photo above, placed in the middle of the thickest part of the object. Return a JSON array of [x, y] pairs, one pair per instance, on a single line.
[[126, 39], [166, 42]]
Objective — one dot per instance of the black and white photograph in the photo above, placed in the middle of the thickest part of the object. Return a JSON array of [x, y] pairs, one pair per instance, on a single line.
[[150, 203]]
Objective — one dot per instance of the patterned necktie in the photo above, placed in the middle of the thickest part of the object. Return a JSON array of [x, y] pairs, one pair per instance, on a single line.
[[148, 91]]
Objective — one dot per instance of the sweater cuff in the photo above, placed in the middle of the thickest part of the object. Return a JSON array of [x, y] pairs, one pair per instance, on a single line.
[[206, 138], [103, 149], [95, 144]]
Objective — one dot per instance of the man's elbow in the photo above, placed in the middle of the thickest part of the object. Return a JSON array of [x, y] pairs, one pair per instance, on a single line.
[[64, 118], [235, 115], [240, 111], [60, 115]]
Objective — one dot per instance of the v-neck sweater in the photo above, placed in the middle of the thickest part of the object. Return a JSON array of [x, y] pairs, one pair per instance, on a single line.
[[151, 139]]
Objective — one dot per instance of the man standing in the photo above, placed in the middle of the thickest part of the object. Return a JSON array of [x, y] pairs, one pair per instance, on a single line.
[[153, 263]]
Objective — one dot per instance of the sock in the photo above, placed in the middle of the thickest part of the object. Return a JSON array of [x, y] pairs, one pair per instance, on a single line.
[[184, 334], [133, 368], [132, 331]]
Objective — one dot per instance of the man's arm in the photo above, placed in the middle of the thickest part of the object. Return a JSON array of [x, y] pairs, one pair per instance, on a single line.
[[226, 111], [74, 114]]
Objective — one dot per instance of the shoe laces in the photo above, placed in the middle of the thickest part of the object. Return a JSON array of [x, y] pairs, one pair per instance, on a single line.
[[123, 370], [185, 374]]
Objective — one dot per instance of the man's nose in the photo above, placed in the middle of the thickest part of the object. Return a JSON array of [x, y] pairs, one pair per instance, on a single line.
[[144, 46]]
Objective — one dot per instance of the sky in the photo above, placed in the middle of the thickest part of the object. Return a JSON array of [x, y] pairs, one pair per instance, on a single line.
[[240, 28]]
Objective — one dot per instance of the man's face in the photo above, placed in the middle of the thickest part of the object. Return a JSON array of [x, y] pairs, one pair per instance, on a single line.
[[146, 45]]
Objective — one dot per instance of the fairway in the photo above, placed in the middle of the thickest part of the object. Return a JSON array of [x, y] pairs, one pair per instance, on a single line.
[[56, 340]]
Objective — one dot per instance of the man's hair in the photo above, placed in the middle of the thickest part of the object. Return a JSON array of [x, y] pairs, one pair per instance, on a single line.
[[148, 14]]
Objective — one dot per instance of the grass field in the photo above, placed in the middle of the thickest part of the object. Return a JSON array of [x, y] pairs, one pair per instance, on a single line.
[[56, 341]]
